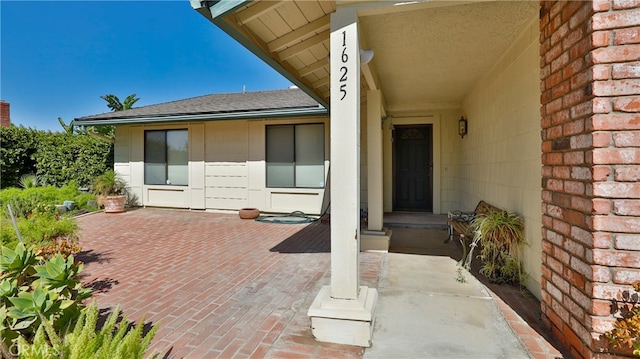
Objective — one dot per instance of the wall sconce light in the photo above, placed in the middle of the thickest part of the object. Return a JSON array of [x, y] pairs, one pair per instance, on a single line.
[[462, 127], [365, 56]]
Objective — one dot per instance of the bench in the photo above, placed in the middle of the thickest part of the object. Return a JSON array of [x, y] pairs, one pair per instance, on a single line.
[[460, 221]]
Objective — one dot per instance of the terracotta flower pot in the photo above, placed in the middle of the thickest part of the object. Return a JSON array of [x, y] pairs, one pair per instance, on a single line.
[[113, 204], [249, 213]]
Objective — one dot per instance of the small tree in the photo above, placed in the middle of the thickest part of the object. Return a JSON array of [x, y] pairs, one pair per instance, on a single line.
[[107, 132], [115, 105], [68, 129]]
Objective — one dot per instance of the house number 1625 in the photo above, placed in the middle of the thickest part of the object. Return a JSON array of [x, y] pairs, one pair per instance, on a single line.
[[343, 70]]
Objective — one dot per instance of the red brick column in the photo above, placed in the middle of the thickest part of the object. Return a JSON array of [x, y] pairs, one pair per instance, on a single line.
[[590, 108], [5, 116]]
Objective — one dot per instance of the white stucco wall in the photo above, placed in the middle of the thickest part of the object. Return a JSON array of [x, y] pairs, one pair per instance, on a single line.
[[445, 142], [227, 168], [500, 159]]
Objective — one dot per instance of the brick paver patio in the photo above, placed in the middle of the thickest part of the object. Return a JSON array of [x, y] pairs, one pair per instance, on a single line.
[[217, 285]]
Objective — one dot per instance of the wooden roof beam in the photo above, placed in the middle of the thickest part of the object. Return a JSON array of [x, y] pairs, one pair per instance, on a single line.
[[315, 26], [321, 82], [313, 67], [301, 46], [255, 11]]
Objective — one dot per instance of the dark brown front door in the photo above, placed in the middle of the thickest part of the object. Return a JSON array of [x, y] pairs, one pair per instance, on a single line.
[[413, 168]]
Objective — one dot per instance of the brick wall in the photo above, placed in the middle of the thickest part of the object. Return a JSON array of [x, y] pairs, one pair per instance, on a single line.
[[590, 117], [5, 117]]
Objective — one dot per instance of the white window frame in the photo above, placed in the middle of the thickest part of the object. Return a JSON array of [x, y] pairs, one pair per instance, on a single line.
[[295, 165]]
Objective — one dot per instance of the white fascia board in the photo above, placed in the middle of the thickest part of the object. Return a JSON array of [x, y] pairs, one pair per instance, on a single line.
[[319, 111]]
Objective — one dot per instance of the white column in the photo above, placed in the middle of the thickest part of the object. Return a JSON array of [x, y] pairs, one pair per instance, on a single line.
[[375, 238], [343, 311], [374, 160], [345, 155]]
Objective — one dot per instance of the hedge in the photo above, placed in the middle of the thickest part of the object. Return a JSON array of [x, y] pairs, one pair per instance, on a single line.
[[17, 148], [55, 158]]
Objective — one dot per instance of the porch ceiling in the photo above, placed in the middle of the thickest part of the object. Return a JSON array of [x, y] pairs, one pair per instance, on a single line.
[[428, 55]]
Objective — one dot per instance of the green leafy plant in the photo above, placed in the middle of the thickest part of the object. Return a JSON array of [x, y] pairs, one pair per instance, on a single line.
[[61, 276], [27, 306], [626, 330], [34, 289], [113, 102], [500, 237], [26, 201], [107, 133], [37, 217], [17, 153], [109, 184], [17, 264], [23, 206], [68, 129], [56, 158], [62, 158], [29, 181], [40, 230], [115, 340]]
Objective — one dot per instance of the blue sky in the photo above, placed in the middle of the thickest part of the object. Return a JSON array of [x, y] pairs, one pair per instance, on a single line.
[[58, 57]]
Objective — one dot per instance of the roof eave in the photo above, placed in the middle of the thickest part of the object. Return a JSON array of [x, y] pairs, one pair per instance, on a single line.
[[218, 10], [306, 112]]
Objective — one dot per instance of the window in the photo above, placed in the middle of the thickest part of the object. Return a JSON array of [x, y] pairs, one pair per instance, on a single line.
[[295, 155], [166, 157]]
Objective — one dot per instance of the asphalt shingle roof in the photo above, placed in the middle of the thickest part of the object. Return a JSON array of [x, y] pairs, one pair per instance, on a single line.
[[231, 103]]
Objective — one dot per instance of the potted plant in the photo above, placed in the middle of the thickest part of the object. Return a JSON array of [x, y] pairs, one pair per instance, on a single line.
[[111, 191], [499, 236]]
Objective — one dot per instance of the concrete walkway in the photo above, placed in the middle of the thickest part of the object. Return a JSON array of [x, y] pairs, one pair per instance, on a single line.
[[423, 312]]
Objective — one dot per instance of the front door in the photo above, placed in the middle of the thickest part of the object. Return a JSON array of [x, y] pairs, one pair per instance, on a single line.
[[413, 168]]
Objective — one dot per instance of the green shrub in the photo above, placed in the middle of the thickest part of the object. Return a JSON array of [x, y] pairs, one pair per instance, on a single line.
[[34, 290], [83, 202], [39, 229], [62, 157], [115, 340], [18, 146], [55, 158], [22, 206], [19, 198], [36, 215], [7, 194]]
